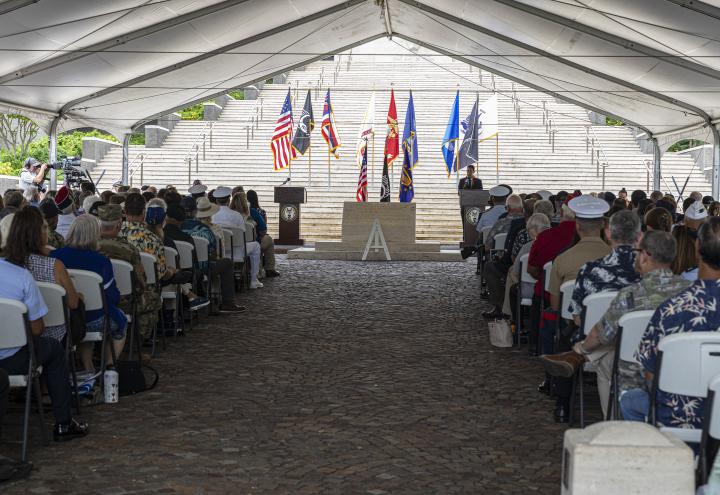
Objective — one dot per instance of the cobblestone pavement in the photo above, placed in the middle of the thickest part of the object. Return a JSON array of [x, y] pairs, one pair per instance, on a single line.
[[342, 378]]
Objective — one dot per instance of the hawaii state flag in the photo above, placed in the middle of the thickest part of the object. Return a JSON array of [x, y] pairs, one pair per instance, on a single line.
[[392, 140], [327, 128]]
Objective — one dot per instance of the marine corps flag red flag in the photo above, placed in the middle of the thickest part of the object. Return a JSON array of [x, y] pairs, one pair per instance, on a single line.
[[392, 140]]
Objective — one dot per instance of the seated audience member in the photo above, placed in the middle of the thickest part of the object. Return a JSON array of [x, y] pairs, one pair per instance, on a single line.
[[714, 209], [105, 196], [236, 190], [218, 266], [637, 196], [115, 247], [81, 252], [658, 219], [230, 218], [136, 232], [19, 285], [90, 204], [695, 215], [656, 252], [655, 196], [488, 218], [155, 214], [696, 196], [707, 201], [496, 271], [695, 309], [258, 216], [118, 199], [27, 249], [643, 207], [197, 191], [685, 263], [12, 201], [523, 236], [50, 211], [66, 206], [5, 225], [31, 196], [537, 223]]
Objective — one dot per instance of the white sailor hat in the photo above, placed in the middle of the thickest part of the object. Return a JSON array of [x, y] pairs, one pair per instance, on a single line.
[[544, 194], [696, 211], [197, 189], [222, 192], [499, 191], [589, 207]]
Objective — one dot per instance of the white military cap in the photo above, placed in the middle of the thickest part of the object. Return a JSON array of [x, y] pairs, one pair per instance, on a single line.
[[696, 211], [222, 192], [589, 207], [499, 191], [197, 189], [544, 194]]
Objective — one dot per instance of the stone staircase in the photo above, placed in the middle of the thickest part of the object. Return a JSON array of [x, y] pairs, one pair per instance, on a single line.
[[526, 158]]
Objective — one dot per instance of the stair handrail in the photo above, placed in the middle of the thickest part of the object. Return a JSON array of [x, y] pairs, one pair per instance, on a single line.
[[596, 150], [252, 121], [336, 72], [133, 167], [194, 150]]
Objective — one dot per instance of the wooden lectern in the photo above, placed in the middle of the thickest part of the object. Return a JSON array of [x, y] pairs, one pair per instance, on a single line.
[[289, 198], [472, 203]]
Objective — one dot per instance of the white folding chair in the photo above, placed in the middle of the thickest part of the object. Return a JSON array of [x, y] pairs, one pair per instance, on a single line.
[[172, 292], [499, 242], [631, 328], [90, 285], [228, 252], [55, 298], [482, 240], [547, 268], [565, 316], [710, 430], [125, 280], [202, 251], [686, 363], [185, 262], [16, 333], [239, 255], [522, 302], [594, 307], [149, 263]]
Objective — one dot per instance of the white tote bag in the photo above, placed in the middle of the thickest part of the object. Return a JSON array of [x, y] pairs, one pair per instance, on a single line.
[[500, 333]]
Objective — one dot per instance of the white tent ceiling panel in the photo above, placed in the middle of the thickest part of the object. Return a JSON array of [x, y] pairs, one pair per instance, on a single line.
[[581, 86], [219, 73]]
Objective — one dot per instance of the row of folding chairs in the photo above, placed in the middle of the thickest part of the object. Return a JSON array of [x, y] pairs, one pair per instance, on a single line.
[[526, 302]]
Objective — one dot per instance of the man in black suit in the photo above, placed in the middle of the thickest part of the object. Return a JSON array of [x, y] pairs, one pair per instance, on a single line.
[[470, 182]]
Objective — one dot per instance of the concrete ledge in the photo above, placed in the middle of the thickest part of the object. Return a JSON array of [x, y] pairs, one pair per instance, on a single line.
[[309, 253], [211, 110], [155, 134], [94, 149]]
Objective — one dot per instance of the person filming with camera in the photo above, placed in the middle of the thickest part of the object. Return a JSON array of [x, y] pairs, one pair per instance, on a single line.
[[33, 175]]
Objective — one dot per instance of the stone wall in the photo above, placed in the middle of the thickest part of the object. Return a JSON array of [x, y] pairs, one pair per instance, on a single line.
[[94, 150], [155, 134]]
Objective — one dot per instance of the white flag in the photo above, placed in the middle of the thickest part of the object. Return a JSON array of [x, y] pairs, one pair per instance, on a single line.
[[367, 130], [488, 119]]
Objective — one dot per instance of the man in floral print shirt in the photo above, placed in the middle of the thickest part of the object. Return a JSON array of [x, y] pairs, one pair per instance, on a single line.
[[695, 309]]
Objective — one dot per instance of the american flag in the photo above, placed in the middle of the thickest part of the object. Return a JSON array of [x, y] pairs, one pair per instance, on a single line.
[[283, 153], [361, 194]]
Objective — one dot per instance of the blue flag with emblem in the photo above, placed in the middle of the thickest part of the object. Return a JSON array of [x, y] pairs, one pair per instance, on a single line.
[[452, 134], [410, 154]]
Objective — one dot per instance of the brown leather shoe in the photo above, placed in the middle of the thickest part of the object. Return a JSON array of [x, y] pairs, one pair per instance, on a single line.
[[565, 364]]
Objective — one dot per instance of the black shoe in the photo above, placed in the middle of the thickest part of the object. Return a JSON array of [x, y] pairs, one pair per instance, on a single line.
[[544, 387], [73, 429], [562, 413], [491, 315], [271, 273], [484, 294]]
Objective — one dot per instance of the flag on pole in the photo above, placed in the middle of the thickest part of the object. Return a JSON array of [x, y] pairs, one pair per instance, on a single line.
[[306, 124], [366, 131], [327, 128], [385, 184], [361, 193], [410, 154], [468, 154], [488, 119], [392, 140], [452, 134], [283, 152]]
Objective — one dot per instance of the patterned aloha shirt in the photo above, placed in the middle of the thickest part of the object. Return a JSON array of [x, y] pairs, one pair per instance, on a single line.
[[695, 309], [522, 238], [137, 234], [502, 226], [196, 228], [613, 272], [654, 289], [55, 240]]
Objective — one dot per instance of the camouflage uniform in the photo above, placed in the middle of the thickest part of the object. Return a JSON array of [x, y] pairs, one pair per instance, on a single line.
[[652, 290], [55, 240], [148, 298]]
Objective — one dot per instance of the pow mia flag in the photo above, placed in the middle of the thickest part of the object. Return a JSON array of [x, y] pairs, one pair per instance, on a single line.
[[468, 154], [306, 124]]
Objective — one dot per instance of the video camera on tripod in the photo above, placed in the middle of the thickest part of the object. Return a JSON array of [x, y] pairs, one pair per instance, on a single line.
[[74, 174]]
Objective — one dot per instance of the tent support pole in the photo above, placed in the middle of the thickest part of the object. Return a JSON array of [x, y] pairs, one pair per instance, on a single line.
[[126, 160], [52, 151], [657, 158], [715, 162]]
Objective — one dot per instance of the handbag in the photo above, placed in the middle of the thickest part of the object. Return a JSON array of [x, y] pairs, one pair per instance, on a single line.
[[77, 323], [131, 377], [500, 333]]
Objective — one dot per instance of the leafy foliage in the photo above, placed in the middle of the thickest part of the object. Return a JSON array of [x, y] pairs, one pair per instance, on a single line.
[[611, 121], [137, 138], [16, 133], [686, 144], [238, 94], [194, 112]]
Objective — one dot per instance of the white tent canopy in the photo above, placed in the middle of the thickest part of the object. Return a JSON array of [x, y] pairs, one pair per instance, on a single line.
[[117, 64]]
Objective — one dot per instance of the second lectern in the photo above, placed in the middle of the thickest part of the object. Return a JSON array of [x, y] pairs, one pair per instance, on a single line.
[[472, 203], [289, 198]]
